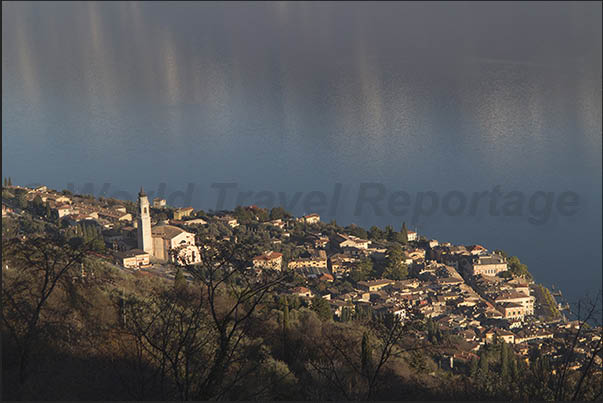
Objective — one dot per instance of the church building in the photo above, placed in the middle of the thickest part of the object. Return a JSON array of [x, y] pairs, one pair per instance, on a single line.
[[164, 242]]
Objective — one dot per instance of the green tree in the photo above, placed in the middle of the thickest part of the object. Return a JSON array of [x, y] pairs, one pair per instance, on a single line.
[[473, 367], [5, 182], [517, 268], [483, 364], [375, 233], [10, 181], [23, 203], [357, 231], [38, 205], [285, 328], [404, 233], [366, 354], [395, 269], [321, 307], [179, 281], [504, 361], [362, 270], [418, 361], [389, 233], [278, 213]]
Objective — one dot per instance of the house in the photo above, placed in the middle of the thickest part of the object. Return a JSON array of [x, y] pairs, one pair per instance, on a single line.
[[520, 298], [340, 263], [326, 277], [134, 259], [416, 254], [229, 220], [412, 236], [268, 260], [318, 240], [313, 261], [499, 334], [311, 218], [182, 212], [158, 202], [375, 285], [119, 208], [526, 335], [339, 306], [511, 310], [276, 223], [476, 249], [195, 221], [114, 215], [350, 241], [302, 292], [6, 210], [489, 265]]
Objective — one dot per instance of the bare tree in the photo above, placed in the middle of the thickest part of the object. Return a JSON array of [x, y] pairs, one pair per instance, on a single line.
[[197, 337], [33, 270], [588, 315]]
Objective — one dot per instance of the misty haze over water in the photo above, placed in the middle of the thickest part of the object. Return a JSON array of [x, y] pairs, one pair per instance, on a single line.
[[297, 97]]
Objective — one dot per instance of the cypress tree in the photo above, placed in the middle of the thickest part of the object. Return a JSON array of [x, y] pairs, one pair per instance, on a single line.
[[483, 364], [366, 354], [285, 327], [179, 280], [5, 182], [504, 361], [10, 182], [473, 367], [404, 232]]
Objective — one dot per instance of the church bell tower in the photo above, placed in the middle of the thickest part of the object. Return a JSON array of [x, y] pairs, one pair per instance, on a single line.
[[145, 240]]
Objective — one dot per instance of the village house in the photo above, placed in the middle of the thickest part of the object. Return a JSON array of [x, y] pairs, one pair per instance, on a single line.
[[134, 259], [268, 260], [412, 236], [511, 310], [6, 210], [487, 265], [350, 241], [278, 223], [114, 215], [180, 213], [338, 306], [476, 250], [194, 221], [302, 292], [312, 261], [499, 334], [326, 277], [374, 285], [311, 218], [159, 203], [519, 298], [228, 220]]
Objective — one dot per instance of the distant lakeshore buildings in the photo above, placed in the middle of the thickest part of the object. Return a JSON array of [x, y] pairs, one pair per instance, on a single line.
[[164, 242]]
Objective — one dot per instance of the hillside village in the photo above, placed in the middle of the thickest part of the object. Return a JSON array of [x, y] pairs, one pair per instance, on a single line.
[[468, 292]]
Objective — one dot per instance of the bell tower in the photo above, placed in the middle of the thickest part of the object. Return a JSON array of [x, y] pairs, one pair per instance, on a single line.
[[145, 240]]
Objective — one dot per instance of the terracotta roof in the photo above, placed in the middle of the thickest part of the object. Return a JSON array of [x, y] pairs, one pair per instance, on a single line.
[[268, 256], [166, 231]]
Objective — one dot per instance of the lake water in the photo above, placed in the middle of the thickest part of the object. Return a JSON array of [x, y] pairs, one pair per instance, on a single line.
[[301, 97]]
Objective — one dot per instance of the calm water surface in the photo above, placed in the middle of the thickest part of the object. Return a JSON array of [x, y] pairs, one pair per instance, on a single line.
[[298, 97]]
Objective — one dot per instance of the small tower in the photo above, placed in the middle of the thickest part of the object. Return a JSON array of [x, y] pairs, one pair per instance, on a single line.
[[145, 240]]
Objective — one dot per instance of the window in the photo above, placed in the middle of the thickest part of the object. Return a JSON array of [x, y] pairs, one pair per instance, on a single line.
[[145, 210]]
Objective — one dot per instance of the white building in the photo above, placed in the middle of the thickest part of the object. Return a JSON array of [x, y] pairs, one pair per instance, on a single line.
[[164, 242], [145, 240]]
